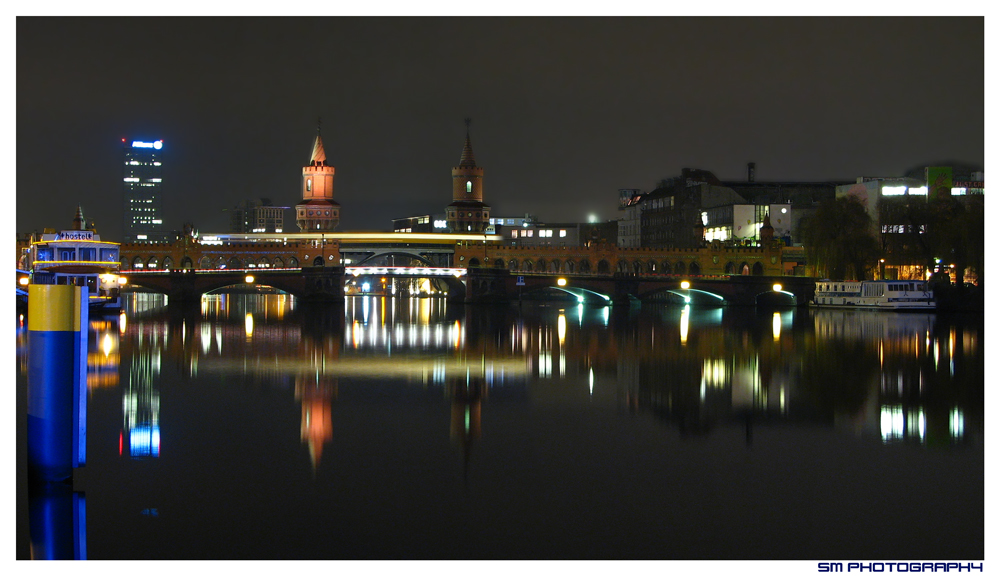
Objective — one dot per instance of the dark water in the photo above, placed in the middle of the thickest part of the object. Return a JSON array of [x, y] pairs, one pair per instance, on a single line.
[[257, 427]]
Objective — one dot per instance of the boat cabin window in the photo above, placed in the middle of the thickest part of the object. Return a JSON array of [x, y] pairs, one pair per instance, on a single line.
[[88, 254], [109, 255], [45, 254], [67, 254]]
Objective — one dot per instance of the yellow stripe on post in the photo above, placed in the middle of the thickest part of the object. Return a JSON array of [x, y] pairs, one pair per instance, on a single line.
[[54, 308]]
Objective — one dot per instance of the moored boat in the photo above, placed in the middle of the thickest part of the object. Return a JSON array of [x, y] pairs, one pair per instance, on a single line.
[[77, 257], [874, 294]]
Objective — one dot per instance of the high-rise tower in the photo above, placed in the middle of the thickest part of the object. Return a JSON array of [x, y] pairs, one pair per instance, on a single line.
[[317, 212], [142, 195], [467, 213]]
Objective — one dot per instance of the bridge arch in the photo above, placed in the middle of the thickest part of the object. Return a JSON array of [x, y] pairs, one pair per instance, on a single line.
[[153, 263], [235, 262], [603, 267], [585, 266], [695, 270], [388, 258], [186, 263], [512, 265], [474, 263], [499, 263], [692, 296], [776, 298], [758, 269], [543, 265]]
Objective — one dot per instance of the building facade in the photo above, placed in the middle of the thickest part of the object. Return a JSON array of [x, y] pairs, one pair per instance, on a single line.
[[892, 203], [318, 212], [142, 185], [254, 216]]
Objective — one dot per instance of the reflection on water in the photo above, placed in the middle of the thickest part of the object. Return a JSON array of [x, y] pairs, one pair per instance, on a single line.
[[244, 360]]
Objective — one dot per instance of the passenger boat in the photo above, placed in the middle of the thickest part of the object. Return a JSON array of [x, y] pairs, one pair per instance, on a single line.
[[874, 294], [77, 257]]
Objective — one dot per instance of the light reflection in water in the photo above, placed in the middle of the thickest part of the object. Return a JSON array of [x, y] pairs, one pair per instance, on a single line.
[[892, 363]]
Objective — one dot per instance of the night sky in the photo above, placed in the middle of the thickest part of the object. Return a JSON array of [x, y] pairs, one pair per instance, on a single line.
[[565, 111]]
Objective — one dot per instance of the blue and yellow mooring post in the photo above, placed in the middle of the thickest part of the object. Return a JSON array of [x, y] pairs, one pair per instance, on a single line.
[[57, 380]]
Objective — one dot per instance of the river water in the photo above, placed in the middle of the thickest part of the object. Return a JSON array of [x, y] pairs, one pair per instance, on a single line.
[[256, 426]]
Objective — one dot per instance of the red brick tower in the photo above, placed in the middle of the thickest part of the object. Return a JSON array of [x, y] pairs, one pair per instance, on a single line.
[[317, 212], [467, 213]]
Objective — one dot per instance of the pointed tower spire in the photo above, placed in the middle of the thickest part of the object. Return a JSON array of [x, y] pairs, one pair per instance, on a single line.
[[79, 223], [468, 158], [318, 157]]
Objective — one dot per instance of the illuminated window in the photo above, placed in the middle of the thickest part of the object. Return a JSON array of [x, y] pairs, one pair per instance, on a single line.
[[562, 233], [468, 186]]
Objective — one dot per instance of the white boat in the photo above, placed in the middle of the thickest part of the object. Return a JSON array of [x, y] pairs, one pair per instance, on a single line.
[[874, 294], [77, 257]]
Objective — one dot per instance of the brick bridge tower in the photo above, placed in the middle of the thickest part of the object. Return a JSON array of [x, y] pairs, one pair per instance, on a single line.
[[467, 213], [317, 212]]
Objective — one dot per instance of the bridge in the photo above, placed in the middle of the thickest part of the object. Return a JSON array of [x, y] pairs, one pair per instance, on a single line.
[[486, 285], [467, 267]]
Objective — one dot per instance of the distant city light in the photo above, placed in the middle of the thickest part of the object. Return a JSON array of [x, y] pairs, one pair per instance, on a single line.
[[592, 218]]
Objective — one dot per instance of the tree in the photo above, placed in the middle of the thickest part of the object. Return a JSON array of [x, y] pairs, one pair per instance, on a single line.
[[838, 240]]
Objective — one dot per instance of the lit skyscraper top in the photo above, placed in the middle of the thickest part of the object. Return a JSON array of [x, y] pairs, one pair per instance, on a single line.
[[141, 191]]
